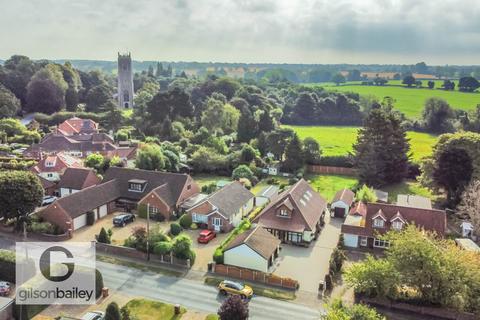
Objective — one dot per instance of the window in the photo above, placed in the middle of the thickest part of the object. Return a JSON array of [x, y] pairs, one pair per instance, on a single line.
[[363, 241], [49, 164], [377, 243], [217, 221], [378, 223], [189, 187], [154, 210], [283, 213], [50, 175], [397, 225]]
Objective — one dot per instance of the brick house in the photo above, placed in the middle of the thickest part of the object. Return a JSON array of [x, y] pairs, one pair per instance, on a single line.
[[52, 167], [295, 215], [76, 179], [77, 125], [366, 222], [122, 189], [224, 209]]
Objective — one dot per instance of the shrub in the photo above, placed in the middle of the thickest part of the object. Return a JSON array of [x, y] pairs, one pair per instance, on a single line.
[[328, 282], [7, 265], [218, 256], [98, 283], [41, 227], [90, 218], [242, 171], [163, 247], [112, 312], [186, 221], [209, 188], [103, 236], [366, 194], [337, 161], [175, 229], [142, 211]]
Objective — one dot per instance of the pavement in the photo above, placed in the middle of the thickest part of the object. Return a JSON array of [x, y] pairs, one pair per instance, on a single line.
[[194, 294], [310, 265]]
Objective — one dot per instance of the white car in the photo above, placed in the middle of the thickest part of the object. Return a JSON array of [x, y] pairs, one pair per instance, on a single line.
[[48, 199], [94, 315]]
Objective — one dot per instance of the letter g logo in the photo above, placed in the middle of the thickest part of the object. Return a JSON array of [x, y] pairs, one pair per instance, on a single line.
[[45, 264]]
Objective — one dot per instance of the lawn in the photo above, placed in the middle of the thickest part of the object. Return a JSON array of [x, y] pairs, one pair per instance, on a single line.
[[328, 185], [411, 101], [143, 309], [336, 141], [407, 187], [206, 179]]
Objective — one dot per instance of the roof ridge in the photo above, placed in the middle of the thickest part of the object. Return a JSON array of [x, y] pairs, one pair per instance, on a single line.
[[251, 233]]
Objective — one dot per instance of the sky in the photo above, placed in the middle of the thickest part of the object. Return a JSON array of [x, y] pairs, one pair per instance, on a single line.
[[256, 31]]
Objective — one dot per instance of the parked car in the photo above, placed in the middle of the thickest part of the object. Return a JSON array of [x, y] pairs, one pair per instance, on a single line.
[[94, 315], [122, 219], [48, 199], [231, 287], [4, 288], [205, 236]]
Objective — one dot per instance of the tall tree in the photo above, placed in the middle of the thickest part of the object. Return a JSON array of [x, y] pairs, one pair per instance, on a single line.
[[150, 157], [438, 116], [311, 150], [46, 90], [9, 104], [409, 81], [247, 127], [338, 78], [16, 74], [233, 308], [294, 156], [381, 150], [468, 84], [97, 97]]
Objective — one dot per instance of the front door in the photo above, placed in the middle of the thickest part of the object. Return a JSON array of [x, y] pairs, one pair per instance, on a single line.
[[217, 224]]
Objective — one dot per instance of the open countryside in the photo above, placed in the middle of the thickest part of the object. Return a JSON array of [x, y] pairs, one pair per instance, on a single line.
[[337, 141]]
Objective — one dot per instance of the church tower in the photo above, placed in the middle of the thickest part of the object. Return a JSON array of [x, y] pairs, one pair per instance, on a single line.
[[125, 81]]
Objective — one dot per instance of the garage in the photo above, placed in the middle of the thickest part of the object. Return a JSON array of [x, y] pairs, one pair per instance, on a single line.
[[340, 212], [79, 222], [102, 211], [350, 240]]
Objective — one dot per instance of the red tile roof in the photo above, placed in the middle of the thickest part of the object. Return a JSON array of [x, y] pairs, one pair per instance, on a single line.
[[76, 125], [57, 163]]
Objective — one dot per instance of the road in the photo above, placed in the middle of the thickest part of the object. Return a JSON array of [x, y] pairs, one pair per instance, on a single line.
[[194, 294]]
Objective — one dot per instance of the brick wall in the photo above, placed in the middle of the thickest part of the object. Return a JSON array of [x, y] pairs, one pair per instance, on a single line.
[[255, 276], [331, 170]]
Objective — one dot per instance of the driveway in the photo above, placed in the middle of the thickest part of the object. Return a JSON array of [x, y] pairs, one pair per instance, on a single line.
[[204, 251], [310, 265]]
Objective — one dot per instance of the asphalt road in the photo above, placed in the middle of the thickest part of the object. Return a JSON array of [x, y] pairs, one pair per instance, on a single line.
[[7, 244], [194, 294]]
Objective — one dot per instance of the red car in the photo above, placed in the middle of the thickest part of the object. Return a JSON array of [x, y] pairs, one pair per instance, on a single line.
[[205, 236]]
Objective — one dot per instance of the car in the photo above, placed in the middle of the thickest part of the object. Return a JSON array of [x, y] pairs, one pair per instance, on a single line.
[[48, 199], [4, 288], [236, 288], [205, 236], [122, 219], [94, 315]]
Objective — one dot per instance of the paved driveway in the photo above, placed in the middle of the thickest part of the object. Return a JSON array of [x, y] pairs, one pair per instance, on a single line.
[[204, 251], [310, 265]]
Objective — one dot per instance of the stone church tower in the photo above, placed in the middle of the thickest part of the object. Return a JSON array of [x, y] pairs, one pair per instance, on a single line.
[[125, 81]]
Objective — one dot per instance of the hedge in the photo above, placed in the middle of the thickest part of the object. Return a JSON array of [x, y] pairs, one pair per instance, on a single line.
[[345, 161]]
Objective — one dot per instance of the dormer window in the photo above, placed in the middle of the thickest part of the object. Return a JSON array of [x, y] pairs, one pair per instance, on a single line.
[[397, 225], [136, 185], [378, 223], [49, 164], [283, 213]]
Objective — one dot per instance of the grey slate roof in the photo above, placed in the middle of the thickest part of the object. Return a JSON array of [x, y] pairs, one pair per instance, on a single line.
[[230, 198], [259, 240]]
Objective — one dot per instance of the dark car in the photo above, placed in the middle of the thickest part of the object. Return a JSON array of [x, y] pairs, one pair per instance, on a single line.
[[4, 288], [122, 219]]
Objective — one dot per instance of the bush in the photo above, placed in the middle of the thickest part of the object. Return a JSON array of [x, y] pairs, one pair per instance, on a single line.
[[175, 229], [337, 161], [90, 218], [112, 312], [186, 221], [181, 247], [328, 282], [103, 236], [218, 256], [164, 247], [98, 283], [7, 266], [142, 211]]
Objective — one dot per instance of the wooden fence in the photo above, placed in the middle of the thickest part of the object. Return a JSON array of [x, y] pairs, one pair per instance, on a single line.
[[139, 255], [254, 276], [332, 170]]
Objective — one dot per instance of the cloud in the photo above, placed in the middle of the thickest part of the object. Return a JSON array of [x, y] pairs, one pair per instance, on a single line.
[[306, 31]]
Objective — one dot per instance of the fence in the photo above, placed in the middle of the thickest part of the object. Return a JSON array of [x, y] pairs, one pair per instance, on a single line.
[[437, 313], [139, 255], [332, 170], [255, 276]]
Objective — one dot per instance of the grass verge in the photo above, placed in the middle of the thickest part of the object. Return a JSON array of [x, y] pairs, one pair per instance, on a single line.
[[143, 309]]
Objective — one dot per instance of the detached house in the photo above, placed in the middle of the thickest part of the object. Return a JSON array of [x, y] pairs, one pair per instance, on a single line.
[[76, 125], [224, 209], [52, 167], [366, 222], [122, 189], [295, 215], [76, 179]]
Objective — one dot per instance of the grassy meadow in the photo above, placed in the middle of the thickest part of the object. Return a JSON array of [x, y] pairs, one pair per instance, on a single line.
[[336, 140], [410, 101]]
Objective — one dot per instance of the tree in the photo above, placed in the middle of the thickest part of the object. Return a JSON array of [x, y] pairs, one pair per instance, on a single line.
[[409, 81], [150, 157], [112, 312], [337, 311], [468, 84], [248, 154], [381, 150], [453, 173], [20, 193], [162, 247], [366, 195], [448, 85], [103, 236], [175, 229], [219, 116], [173, 103], [438, 116], [242, 171], [95, 161], [114, 116], [266, 123], [181, 247], [9, 104], [354, 75], [97, 97], [18, 70], [311, 151], [470, 205], [233, 308], [247, 127], [338, 78], [46, 90], [294, 156], [431, 84]]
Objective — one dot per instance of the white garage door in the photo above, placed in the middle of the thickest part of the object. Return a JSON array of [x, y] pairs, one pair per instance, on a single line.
[[350, 240], [79, 222], [103, 211]]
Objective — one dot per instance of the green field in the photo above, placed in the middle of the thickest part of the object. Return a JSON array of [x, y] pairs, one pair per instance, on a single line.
[[328, 185], [411, 101], [335, 141]]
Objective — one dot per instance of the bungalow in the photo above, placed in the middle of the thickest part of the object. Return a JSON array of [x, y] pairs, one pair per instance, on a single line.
[[295, 215], [52, 167], [122, 189], [341, 203], [76, 179], [366, 222], [224, 209], [255, 249]]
